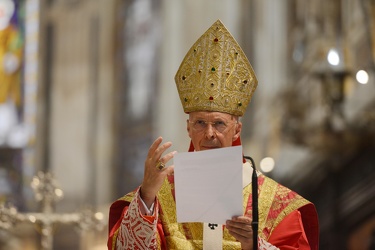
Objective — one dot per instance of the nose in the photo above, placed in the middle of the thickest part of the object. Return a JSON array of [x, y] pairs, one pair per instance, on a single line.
[[210, 131]]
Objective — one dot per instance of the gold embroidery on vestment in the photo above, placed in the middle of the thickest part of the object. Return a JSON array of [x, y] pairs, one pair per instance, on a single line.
[[266, 195]]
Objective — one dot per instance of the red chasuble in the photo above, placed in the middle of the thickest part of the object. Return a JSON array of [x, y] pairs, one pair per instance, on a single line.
[[286, 220]]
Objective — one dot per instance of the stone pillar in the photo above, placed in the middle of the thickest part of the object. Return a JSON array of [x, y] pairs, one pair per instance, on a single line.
[[79, 91], [270, 64]]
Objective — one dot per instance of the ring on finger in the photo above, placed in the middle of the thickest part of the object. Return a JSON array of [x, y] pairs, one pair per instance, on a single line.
[[160, 165]]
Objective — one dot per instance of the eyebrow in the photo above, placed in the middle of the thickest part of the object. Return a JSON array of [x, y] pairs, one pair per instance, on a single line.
[[214, 118], [203, 117]]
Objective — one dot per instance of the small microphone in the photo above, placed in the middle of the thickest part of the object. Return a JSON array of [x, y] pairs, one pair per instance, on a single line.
[[254, 186]]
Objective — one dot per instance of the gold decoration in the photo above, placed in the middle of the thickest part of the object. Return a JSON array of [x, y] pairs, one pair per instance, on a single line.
[[215, 74]]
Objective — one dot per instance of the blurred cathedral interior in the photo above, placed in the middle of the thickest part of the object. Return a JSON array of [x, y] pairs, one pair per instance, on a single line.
[[87, 85]]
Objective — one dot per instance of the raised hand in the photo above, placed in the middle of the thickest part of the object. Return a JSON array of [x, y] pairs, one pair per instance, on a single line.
[[155, 170]]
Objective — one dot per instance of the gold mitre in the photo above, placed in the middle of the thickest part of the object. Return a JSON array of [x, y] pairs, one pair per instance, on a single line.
[[215, 74]]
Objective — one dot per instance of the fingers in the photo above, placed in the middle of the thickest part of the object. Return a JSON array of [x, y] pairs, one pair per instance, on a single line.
[[154, 146], [241, 221], [157, 149], [240, 228], [167, 157], [155, 162]]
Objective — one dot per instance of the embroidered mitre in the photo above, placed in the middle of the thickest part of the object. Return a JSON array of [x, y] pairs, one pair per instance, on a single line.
[[215, 74]]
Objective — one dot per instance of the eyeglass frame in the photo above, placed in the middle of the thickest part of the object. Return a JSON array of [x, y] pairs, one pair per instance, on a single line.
[[227, 125]]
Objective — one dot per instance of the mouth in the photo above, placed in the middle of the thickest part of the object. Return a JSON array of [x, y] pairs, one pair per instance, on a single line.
[[209, 147]]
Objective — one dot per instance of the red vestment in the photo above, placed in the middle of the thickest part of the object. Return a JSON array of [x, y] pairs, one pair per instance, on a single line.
[[286, 220]]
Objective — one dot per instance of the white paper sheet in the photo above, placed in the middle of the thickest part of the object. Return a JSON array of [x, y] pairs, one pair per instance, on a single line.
[[208, 185]]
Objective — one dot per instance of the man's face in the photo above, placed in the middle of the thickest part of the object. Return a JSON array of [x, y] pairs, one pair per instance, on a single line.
[[209, 130]]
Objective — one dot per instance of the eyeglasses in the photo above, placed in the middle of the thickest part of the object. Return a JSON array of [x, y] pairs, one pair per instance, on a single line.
[[219, 126]]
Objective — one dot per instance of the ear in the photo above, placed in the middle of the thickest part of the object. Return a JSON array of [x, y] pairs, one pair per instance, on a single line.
[[238, 131], [188, 128]]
